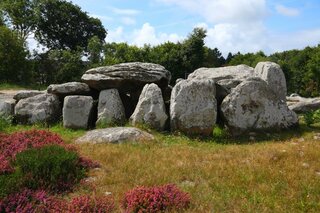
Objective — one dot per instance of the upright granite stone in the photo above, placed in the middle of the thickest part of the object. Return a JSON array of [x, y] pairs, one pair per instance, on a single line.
[[23, 94], [150, 109], [77, 112], [110, 108], [273, 75], [115, 135], [193, 108], [7, 107], [70, 88], [252, 105], [127, 77], [43, 108]]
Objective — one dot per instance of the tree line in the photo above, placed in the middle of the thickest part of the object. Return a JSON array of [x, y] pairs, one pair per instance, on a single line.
[[74, 42]]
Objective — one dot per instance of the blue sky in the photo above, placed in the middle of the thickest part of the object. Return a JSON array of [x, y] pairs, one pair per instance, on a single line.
[[232, 25]]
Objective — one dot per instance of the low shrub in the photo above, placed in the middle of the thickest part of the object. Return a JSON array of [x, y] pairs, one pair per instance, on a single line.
[[156, 199], [10, 183], [29, 201], [87, 204], [312, 117], [50, 167]]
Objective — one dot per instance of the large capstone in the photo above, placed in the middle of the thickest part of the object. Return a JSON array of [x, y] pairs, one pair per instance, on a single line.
[[110, 108], [115, 135], [127, 77], [193, 108], [252, 105], [67, 89], [43, 108], [273, 75], [77, 112], [302, 105], [150, 109]]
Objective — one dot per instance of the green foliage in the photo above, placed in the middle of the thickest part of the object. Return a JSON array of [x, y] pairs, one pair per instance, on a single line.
[[20, 15], [63, 25], [52, 167], [10, 183], [250, 59], [312, 117], [13, 63], [95, 47], [5, 122]]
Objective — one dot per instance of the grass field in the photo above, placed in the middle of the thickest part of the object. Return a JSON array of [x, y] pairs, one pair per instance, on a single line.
[[279, 172]]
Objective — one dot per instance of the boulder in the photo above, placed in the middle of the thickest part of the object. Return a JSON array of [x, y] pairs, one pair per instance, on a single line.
[[302, 105], [67, 89], [193, 108], [150, 109], [115, 135], [23, 94], [43, 108], [7, 107], [273, 75], [252, 105], [226, 78], [127, 77], [110, 108], [77, 112]]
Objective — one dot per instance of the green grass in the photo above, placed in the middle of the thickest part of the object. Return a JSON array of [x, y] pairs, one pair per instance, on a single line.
[[276, 172]]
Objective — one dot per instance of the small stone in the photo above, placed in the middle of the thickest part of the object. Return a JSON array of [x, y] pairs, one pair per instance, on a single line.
[[108, 193], [301, 140], [305, 165], [188, 183]]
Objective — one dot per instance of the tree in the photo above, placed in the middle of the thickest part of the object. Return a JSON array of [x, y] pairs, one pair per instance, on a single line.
[[95, 48], [20, 16], [213, 58], [13, 63], [62, 25]]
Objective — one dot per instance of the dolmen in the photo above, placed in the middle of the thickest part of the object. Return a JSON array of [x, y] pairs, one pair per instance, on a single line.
[[242, 98]]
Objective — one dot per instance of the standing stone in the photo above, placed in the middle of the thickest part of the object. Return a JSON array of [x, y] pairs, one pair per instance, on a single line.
[[252, 105], [77, 112], [110, 108], [273, 75], [150, 109], [43, 108], [193, 108], [7, 107]]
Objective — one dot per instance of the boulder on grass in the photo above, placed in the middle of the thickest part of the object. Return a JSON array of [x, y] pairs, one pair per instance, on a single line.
[[43, 108], [252, 105], [110, 108], [150, 109], [7, 107], [115, 135], [193, 108], [23, 94], [77, 112], [302, 105]]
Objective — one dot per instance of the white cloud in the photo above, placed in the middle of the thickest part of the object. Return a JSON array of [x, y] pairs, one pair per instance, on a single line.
[[128, 21], [116, 35], [103, 18], [287, 11], [148, 35], [127, 12]]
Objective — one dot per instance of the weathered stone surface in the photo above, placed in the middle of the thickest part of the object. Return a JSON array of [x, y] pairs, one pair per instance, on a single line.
[[193, 108], [115, 135], [40, 108], [7, 107], [272, 74], [301, 105], [252, 105], [71, 88], [127, 76], [77, 112], [110, 108], [23, 94], [150, 109]]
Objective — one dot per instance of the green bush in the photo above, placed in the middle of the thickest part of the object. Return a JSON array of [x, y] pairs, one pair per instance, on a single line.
[[312, 117], [5, 121], [50, 167], [10, 183]]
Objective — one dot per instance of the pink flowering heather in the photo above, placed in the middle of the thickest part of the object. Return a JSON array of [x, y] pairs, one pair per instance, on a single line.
[[87, 204], [155, 199], [28, 201]]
